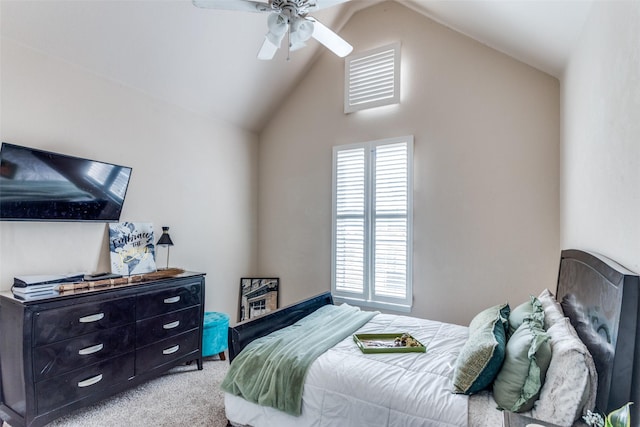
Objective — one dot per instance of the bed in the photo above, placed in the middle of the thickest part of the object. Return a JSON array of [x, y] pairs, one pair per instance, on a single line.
[[597, 299]]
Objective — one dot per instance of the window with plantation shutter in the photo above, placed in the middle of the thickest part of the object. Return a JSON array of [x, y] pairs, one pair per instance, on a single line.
[[372, 223], [372, 78]]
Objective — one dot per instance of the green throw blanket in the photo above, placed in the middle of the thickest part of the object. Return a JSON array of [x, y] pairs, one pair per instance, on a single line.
[[270, 371]]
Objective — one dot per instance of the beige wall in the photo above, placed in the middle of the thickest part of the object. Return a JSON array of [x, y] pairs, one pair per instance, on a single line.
[[486, 208], [601, 136], [191, 173]]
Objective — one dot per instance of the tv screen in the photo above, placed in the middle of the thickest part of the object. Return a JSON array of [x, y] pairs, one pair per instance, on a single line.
[[38, 185]]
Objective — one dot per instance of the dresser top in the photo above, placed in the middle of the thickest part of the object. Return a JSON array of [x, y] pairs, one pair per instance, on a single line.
[[41, 297]]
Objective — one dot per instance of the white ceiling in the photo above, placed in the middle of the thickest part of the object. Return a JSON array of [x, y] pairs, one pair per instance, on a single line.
[[204, 60]]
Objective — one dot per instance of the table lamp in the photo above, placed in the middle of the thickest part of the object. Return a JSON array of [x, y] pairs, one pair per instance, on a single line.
[[165, 240]]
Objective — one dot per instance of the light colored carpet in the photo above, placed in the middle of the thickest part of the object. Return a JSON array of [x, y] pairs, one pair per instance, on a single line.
[[183, 396]]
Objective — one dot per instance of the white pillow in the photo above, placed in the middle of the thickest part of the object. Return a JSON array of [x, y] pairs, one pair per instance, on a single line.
[[552, 308], [571, 383]]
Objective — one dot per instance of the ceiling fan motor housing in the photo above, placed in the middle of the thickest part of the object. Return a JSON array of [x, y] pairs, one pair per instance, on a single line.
[[292, 7]]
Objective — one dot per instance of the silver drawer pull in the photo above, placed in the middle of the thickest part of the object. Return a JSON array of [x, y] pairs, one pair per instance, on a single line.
[[171, 350], [90, 381], [92, 318], [172, 300], [90, 350], [171, 325]]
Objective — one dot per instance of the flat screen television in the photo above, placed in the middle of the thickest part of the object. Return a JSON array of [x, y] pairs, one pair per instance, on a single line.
[[37, 185]]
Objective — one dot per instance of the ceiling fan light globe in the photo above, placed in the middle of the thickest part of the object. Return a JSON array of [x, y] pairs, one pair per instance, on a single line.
[[278, 24], [301, 29]]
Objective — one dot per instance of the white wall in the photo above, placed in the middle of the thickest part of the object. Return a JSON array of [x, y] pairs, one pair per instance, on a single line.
[[601, 136], [191, 173], [486, 127]]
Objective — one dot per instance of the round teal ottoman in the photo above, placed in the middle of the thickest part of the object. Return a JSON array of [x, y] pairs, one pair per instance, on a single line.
[[214, 334]]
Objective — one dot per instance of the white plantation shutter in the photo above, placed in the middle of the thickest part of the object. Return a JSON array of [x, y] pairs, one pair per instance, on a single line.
[[372, 222], [350, 227], [390, 218], [372, 78]]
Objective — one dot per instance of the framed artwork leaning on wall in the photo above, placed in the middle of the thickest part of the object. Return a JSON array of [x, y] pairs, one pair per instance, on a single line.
[[258, 296]]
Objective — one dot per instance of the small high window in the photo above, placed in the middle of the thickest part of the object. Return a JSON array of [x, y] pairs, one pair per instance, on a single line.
[[372, 78]]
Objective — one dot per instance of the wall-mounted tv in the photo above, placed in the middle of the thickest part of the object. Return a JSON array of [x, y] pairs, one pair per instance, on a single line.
[[37, 185]]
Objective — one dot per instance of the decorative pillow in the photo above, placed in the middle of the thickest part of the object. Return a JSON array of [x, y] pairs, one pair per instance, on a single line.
[[489, 316], [552, 309], [531, 309], [527, 358], [482, 355], [571, 383]]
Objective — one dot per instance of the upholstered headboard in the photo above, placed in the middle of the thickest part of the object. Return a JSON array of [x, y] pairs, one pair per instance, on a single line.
[[602, 300]]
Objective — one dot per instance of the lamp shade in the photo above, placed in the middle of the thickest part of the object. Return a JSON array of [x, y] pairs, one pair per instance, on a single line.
[[165, 239]]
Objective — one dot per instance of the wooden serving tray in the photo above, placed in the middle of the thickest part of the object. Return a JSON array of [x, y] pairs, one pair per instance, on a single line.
[[384, 343]]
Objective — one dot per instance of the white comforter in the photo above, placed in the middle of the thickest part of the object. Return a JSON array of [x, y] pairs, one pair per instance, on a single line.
[[345, 387]]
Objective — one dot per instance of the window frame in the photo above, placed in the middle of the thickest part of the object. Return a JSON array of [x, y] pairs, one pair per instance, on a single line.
[[368, 298]]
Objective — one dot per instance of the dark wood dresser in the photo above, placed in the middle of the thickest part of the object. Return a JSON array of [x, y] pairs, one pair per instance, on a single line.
[[63, 352]]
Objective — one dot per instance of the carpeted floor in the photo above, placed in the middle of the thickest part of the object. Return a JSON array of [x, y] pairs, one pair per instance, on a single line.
[[182, 397]]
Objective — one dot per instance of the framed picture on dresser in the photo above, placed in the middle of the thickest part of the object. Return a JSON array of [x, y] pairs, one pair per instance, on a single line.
[[258, 296]]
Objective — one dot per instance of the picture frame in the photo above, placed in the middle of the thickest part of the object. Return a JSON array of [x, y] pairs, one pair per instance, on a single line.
[[131, 248], [258, 296]]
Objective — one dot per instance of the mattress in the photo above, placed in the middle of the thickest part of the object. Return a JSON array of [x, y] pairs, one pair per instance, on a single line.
[[390, 389]]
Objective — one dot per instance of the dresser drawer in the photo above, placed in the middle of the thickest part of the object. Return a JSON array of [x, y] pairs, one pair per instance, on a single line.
[[167, 351], [63, 323], [163, 301], [64, 356], [62, 390], [158, 328]]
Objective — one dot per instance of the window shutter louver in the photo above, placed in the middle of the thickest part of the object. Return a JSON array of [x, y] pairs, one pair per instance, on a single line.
[[372, 78]]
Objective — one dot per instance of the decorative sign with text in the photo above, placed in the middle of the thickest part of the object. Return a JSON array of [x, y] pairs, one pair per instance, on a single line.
[[131, 247]]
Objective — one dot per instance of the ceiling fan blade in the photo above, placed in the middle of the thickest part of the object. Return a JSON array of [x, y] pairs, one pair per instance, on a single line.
[[267, 51], [243, 5], [331, 40]]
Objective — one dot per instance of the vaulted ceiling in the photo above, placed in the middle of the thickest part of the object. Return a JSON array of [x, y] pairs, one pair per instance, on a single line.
[[205, 60]]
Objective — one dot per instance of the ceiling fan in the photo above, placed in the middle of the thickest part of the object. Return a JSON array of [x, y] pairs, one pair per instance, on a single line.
[[287, 17]]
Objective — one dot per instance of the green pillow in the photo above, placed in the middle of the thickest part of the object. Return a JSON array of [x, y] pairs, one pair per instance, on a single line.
[[517, 385], [482, 355], [531, 309]]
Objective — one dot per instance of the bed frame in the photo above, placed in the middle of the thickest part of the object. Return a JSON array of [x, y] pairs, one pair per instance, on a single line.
[[599, 296], [245, 332]]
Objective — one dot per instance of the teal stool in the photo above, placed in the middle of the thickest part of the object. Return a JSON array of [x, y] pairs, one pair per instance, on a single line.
[[214, 334]]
